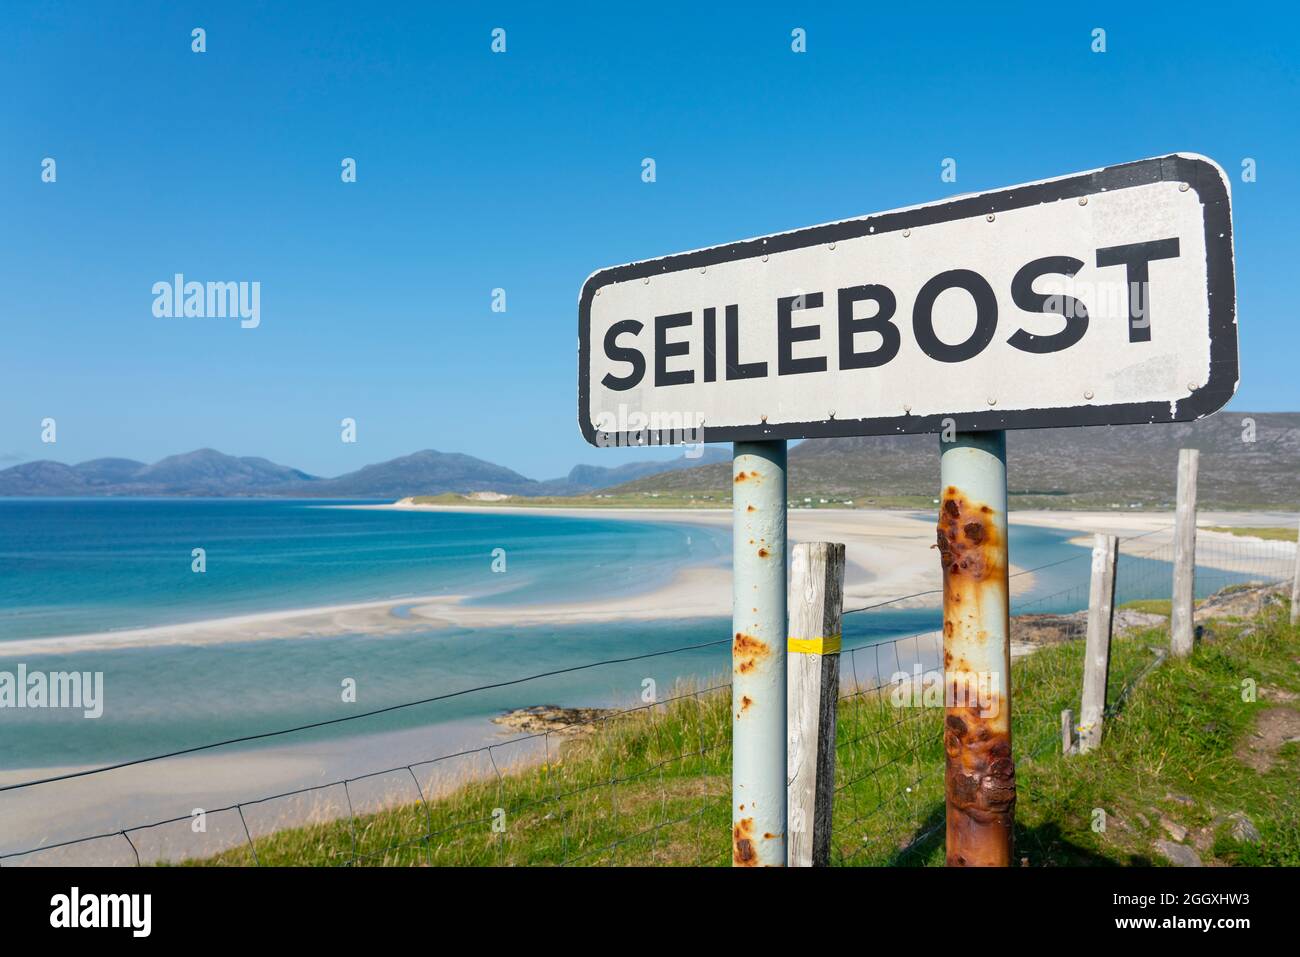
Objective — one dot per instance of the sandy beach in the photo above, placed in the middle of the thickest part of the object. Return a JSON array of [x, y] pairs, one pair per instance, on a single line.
[[889, 557], [281, 786]]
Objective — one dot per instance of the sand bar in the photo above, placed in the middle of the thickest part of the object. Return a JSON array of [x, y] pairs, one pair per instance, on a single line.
[[889, 557]]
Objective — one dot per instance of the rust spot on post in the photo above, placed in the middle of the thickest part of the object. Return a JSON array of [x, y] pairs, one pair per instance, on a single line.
[[742, 843], [969, 544], [745, 650], [762, 553], [981, 783], [980, 773]]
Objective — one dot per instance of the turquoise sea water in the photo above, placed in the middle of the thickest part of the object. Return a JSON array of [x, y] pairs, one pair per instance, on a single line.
[[77, 566], [72, 566]]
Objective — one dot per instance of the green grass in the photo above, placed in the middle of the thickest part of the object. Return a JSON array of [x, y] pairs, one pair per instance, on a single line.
[[1271, 533], [652, 786], [1177, 738], [1151, 606]]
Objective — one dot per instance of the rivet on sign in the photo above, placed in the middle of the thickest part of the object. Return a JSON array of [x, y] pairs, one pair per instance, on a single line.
[[1192, 386], [907, 410], [598, 292], [764, 418], [832, 413], [1182, 187], [646, 280], [832, 246], [1087, 395], [1083, 200], [906, 233], [990, 217], [764, 257], [703, 270], [992, 401]]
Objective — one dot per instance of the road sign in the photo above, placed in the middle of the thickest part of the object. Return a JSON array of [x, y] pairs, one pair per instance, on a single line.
[[1099, 298]]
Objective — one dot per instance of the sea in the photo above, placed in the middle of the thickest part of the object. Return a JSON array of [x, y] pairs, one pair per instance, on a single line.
[[80, 566]]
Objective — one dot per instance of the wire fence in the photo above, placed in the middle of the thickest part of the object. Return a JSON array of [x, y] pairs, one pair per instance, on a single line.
[[889, 793], [650, 783]]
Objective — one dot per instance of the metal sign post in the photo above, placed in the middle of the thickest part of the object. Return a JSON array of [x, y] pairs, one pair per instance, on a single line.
[[1100, 298], [758, 647], [980, 777]]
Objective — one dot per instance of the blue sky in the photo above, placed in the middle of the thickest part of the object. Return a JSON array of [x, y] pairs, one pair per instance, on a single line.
[[522, 171]]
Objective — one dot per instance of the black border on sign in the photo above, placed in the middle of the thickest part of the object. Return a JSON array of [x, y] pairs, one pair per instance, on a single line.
[[1201, 176]]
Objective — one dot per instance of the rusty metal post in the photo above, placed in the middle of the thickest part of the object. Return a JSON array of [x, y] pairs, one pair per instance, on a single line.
[[980, 776], [758, 702]]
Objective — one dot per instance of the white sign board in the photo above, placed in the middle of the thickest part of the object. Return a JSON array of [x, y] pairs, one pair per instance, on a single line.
[[1100, 298]]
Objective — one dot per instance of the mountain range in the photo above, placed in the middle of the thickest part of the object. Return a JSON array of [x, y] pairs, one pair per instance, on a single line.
[[209, 473], [1248, 459]]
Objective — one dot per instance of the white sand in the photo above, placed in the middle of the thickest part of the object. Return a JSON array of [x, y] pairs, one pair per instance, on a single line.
[[890, 556], [1151, 534]]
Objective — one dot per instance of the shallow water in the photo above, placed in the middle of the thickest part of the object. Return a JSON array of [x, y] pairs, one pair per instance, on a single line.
[[88, 563]]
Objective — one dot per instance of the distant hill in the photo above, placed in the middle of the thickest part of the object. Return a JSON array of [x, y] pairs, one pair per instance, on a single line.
[[422, 473], [590, 478], [1071, 468], [209, 473], [199, 473]]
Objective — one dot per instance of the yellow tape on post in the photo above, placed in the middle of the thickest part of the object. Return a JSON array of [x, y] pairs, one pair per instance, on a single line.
[[830, 645]]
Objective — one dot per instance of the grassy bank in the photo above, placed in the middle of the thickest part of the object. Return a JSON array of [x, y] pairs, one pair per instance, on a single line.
[[1183, 754], [1269, 533]]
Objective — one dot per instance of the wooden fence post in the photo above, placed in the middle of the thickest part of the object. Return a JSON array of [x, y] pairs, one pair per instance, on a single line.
[[1295, 585], [1067, 731], [1181, 627], [812, 691], [1096, 660]]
